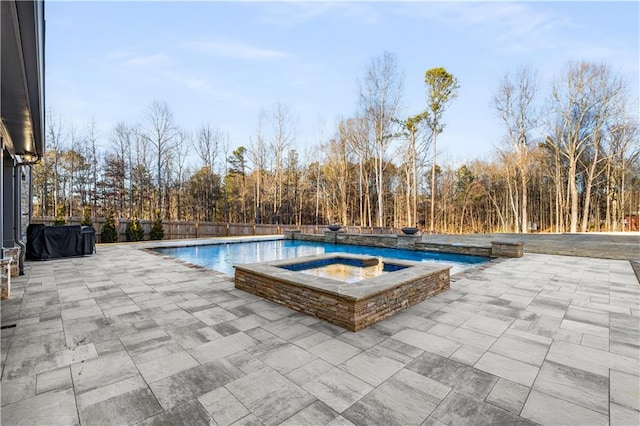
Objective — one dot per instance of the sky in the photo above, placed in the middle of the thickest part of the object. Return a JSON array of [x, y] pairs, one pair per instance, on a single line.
[[221, 63]]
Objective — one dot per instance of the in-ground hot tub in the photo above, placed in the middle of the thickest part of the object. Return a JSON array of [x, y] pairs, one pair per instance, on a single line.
[[354, 303]]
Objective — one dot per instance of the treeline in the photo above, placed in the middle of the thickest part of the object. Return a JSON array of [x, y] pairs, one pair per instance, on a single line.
[[568, 162]]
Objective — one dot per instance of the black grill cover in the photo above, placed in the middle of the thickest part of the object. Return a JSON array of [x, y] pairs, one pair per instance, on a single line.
[[51, 242]]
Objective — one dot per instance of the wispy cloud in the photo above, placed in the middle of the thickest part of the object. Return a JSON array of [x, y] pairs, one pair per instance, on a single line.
[[511, 26], [135, 60], [234, 49], [293, 13]]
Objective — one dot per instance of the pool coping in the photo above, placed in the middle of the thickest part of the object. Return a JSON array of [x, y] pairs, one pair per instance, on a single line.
[[350, 305]]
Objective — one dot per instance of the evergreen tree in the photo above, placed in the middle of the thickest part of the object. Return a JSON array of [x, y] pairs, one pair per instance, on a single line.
[[109, 233], [60, 221], [157, 230], [86, 217], [134, 230]]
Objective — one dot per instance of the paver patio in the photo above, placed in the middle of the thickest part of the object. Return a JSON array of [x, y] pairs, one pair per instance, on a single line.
[[127, 337]]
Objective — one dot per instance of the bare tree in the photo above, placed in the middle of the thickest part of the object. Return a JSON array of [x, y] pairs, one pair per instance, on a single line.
[[160, 132], [514, 102], [582, 100], [380, 97]]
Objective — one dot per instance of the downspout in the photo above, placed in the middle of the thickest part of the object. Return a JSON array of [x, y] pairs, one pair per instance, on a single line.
[[17, 210]]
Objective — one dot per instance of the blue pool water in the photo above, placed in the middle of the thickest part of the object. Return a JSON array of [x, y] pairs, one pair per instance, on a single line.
[[222, 257]]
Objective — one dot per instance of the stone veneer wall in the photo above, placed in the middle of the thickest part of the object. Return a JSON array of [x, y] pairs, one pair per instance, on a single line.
[[348, 312], [496, 249], [5, 278]]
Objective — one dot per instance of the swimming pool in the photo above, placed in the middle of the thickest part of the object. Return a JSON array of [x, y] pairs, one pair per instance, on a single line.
[[222, 257]]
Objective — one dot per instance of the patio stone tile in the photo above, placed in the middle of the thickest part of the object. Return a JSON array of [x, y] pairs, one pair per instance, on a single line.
[[467, 355], [459, 409], [287, 358], [289, 329], [450, 318], [102, 371], [268, 346], [427, 342], [32, 347], [316, 414], [160, 367], [471, 338], [334, 351], [145, 339], [312, 340], [194, 382], [363, 339], [38, 329], [483, 324], [432, 421], [248, 322], [50, 408], [625, 389], [327, 328], [246, 362], [190, 413], [222, 347], [383, 351], [372, 367], [222, 406], [54, 380], [544, 326], [214, 315], [225, 329], [623, 416], [574, 385], [103, 393], [174, 318], [18, 389], [49, 362], [507, 368], [401, 348], [338, 389], [82, 312], [303, 375], [462, 378], [588, 316], [109, 346], [546, 409], [441, 329], [520, 348], [126, 408], [592, 360], [192, 335], [269, 396], [405, 399], [508, 395], [249, 420]]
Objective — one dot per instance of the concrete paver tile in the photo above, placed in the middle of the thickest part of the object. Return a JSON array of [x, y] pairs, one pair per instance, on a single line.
[[269, 396], [427, 342], [288, 358], [315, 414], [507, 368], [190, 413], [303, 375], [50, 408], [126, 408], [222, 406], [625, 389], [334, 351], [521, 349], [337, 389], [462, 378], [222, 347], [508, 395], [406, 399], [623, 416], [589, 359], [574, 385], [194, 382], [546, 409], [459, 409], [102, 371], [467, 355], [54, 380], [18, 389], [371, 367]]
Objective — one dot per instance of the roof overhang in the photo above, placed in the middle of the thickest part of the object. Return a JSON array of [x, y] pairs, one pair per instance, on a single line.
[[22, 76]]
